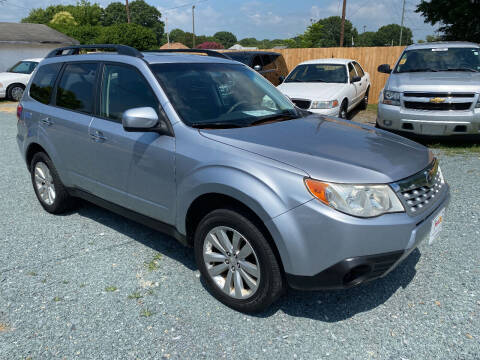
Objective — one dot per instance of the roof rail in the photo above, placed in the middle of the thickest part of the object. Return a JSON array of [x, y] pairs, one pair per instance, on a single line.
[[75, 49], [203, 51]]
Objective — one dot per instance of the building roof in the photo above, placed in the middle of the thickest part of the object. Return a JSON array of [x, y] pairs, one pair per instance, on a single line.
[[25, 33], [174, 45]]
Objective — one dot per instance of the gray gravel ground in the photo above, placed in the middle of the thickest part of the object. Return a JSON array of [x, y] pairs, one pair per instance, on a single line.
[[93, 285]]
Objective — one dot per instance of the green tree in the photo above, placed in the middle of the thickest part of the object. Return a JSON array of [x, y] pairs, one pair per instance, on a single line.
[[128, 34], [226, 38], [43, 16], [249, 42], [389, 34], [141, 13], [458, 18], [326, 33], [366, 39], [63, 18], [83, 12]]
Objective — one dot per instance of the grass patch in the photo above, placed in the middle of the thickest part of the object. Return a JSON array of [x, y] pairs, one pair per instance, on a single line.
[[372, 107], [456, 149], [32, 273], [82, 285], [135, 295], [111, 288], [146, 313], [3, 327], [153, 264], [57, 299], [65, 282]]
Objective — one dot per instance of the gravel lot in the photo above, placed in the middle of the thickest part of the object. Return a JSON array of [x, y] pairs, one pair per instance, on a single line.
[[93, 285]]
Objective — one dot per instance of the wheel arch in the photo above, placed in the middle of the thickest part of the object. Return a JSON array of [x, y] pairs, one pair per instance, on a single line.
[[33, 149]]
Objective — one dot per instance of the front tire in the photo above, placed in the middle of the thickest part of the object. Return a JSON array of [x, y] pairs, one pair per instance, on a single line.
[[235, 259], [343, 114], [48, 188]]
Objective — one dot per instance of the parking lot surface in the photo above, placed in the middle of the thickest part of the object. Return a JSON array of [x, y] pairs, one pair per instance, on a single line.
[[93, 285]]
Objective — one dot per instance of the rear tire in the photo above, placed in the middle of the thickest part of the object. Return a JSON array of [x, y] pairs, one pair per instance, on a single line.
[[364, 103], [48, 188], [15, 92], [246, 284]]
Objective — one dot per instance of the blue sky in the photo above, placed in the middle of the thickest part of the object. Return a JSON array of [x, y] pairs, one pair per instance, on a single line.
[[258, 18]]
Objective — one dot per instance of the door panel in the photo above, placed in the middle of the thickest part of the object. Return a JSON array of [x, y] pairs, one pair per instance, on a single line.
[[354, 88]]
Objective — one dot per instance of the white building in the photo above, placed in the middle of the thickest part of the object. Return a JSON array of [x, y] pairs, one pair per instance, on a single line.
[[21, 41]]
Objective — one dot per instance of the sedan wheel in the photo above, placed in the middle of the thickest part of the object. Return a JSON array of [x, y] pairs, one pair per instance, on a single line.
[[231, 262], [16, 93]]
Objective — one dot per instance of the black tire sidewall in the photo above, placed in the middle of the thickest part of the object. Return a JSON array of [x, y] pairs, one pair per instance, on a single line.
[[61, 196], [269, 268], [344, 106]]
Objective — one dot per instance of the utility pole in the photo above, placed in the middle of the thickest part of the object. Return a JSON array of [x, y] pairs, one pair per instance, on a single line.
[[364, 28], [342, 29], [401, 26], [168, 35], [128, 11], [193, 24]]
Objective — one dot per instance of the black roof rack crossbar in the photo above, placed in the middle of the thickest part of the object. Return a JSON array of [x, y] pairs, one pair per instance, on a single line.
[[201, 51], [75, 49]]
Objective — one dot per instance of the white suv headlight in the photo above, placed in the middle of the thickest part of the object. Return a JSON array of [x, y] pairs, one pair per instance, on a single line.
[[391, 97], [357, 200], [324, 104]]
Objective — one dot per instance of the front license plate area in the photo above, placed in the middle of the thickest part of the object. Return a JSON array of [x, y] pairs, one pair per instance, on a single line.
[[437, 224]]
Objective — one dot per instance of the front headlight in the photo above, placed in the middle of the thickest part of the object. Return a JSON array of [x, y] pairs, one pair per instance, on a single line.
[[1, 86], [357, 200], [391, 98], [324, 104]]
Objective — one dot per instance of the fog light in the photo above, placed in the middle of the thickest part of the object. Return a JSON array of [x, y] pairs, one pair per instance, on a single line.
[[387, 122]]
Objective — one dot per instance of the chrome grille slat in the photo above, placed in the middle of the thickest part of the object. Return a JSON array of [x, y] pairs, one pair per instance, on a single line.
[[418, 193]]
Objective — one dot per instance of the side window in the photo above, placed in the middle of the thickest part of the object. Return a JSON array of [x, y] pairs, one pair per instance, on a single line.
[[123, 88], [77, 86], [351, 71], [359, 70], [257, 61], [269, 62], [43, 82]]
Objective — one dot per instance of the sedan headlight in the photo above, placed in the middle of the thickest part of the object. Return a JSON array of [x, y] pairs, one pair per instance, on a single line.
[[1, 86], [324, 104], [357, 200], [391, 98]]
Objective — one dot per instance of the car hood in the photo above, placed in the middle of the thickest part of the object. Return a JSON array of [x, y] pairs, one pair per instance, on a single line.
[[435, 81], [331, 149], [311, 91], [8, 76]]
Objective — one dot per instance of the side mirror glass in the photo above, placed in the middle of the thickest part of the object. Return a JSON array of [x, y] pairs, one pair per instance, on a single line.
[[140, 119], [384, 68], [356, 79], [281, 79], [257, 67]]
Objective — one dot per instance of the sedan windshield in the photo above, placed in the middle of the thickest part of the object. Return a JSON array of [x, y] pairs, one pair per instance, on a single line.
[[439, 59], [328, 73], [222, 95], [23, 67]]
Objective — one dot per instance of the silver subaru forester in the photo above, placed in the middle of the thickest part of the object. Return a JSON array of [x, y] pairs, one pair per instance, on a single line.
[[208, 151]]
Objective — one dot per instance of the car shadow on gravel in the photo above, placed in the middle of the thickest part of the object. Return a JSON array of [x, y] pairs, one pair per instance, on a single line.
[[155, 240], [338, 305]]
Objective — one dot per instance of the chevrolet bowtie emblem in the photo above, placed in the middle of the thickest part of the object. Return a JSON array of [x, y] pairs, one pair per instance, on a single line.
[[437, 100]]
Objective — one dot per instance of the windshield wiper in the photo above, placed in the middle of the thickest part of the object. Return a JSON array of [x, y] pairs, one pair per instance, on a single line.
[[420, 70], [460, 69], [293, 80], [215, 125], [316, 80], [274, 118]]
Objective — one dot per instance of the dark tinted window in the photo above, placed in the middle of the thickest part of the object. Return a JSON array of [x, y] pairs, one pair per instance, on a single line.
[[269, 62], [242, 57], [257, 60], [76, 87], [124, 88], [43, 82], [359, 70]]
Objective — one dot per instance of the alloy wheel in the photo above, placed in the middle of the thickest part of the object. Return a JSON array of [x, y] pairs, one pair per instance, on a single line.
[[44, 183], [231, 262], [16, 93]]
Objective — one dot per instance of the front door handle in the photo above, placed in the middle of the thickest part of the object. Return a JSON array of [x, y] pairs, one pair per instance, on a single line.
[[47, 121], [97, 136]]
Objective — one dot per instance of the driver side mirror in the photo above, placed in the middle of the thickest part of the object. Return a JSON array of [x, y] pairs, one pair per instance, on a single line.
[[356, 79], [144, 119], [384, 68], [257, 67], [281, 79]]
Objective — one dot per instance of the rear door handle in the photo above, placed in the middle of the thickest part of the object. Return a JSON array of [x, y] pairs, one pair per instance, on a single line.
[[47, 121]]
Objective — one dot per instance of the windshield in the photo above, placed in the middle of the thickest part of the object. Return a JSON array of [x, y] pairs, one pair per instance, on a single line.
[[23, 67], [329, 73], [241, 57], [222, 95], [439, 59]]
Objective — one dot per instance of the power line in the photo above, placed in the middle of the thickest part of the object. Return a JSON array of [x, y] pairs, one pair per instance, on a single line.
[[185, 5]]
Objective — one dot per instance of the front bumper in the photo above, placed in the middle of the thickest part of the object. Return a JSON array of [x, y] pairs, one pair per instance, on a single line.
[[433, 123], [324, 249], [328, 112]]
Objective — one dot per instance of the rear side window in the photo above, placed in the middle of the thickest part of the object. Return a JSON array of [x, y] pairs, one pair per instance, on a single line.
[[269, 62], [124, 88], [76, 87], [43, 82]]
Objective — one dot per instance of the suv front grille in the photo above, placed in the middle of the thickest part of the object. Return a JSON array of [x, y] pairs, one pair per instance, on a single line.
[[421, 191], [302, 103], [432, 106], [443, 95]]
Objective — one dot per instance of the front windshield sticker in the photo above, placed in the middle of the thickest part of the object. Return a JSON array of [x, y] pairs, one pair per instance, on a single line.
[[258, 113]]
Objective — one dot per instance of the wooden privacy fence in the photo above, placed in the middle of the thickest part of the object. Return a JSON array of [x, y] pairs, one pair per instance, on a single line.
[[368, 57]]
